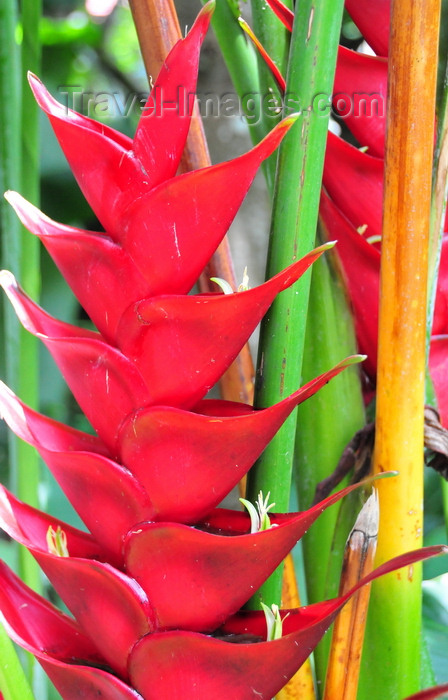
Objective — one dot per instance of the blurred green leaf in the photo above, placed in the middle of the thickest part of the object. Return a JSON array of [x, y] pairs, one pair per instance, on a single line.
[[77, 27], [435, 624]]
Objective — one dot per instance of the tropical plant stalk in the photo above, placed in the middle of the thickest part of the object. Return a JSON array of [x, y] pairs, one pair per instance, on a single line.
[[10, 177], [395, 613], [241, 63], [19, 351], [301, 684], [293, 229], [28, 471], [276, 41], [348, 631], [13, 682], [329, 335]]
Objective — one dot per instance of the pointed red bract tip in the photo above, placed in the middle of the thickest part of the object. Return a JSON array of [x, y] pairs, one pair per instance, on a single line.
[[208, 9], [285, 15]]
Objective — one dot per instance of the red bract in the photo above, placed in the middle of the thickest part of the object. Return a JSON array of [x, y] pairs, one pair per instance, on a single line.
[[438, 366], [224, 439], [113, 171], [359, 96], [170, 230], [373, 20], [186, 582], [431, 693], [345, 168], [361, 263], [174, 330]]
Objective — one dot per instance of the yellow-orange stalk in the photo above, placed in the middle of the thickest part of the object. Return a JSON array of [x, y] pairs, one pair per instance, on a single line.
[[395, 615], [301, 685]]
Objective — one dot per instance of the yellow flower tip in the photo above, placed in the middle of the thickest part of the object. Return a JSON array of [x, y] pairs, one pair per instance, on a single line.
[[327, 246], [287, 122], [387, 475], [353, 360], [208, 8], [57, 542]]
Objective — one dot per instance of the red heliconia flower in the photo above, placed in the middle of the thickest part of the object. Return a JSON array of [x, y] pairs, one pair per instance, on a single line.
[[176, 664], [352, 214], [170, 575], [177, 331], [224, 440]]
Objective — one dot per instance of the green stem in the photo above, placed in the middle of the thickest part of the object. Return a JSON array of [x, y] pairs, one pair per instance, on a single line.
[[13, 683], [9, 151], [276, 40], [241, 61], [27, 478], [444, 486], [296, 201], [10, 179], [321, 437], [17, 256]]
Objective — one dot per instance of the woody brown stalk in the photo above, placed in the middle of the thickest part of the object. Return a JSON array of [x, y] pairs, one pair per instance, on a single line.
[[348, 633], [158, 30]]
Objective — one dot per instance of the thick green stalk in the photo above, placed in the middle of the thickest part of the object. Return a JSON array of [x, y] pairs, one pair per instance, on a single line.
[[9, 163], [296, 201], [241, 62], [10, 179], [13, 683], [18, 248], [276, 40], [27, 380], [273, 35], [325, 424]]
